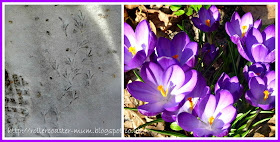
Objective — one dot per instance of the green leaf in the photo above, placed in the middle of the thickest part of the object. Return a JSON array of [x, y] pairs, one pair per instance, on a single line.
[[179, 12], [189, 11], [261, 121], [245, 133], [138, 76], [206, 6], [196, 7], [134, 109], [238, 135], [175, 126], [253, 112], [175, 7], [149, 123], [169, 133], [239, 117]]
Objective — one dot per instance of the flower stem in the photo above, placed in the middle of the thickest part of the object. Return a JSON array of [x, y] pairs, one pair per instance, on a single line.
[[209, 38], [251, 120], [231, 54]]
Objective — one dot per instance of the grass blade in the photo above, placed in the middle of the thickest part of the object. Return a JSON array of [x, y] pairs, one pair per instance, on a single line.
[[138, 76], [149, 123], [240, 117], [134, 109]]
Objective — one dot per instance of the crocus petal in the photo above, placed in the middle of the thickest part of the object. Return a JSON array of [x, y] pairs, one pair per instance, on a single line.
[[270, 57], [224, 98], [196, 22], [174, 74], [214, 12], [204, 28], [229, 29], [215, 26], [250, 98], [142, 33], [254, 36], [247, 19], [136, 61], [242, 50], [127, 55], [151, 44], [245, 72], [258, 24], [267, 106], [223, 78], [129, 36], [259, 52], [228, 114], [270, 76], [257, 87], [152, 73], [235, 17], [190, 51], [203, 15], [190, 82], [179, 42], [173, 102], [164, 47], [144, 92], [206, 108], [166, 62], [268, 35], [169, 116], [188, 122], [151, 109]]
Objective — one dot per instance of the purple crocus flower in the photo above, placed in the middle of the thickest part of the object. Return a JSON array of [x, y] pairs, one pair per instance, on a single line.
[[230, 84], [210, 52], [139, 45], [180, 48], [262, 91], [237, 27], [256, 69], [208, 20], [190, 100], [258, 47], [165, 86], [215, 114]]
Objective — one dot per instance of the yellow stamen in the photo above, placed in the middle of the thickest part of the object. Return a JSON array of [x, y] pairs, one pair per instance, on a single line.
[[191, 103], [244, 30], [176, 57], [207, 22], [211, 119], [132, 50], [266, 93], [163, 93]]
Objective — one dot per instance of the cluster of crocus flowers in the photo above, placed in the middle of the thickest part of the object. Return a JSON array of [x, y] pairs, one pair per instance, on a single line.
[[138, 45], [209, 20], [259, 48], [180, 48]]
